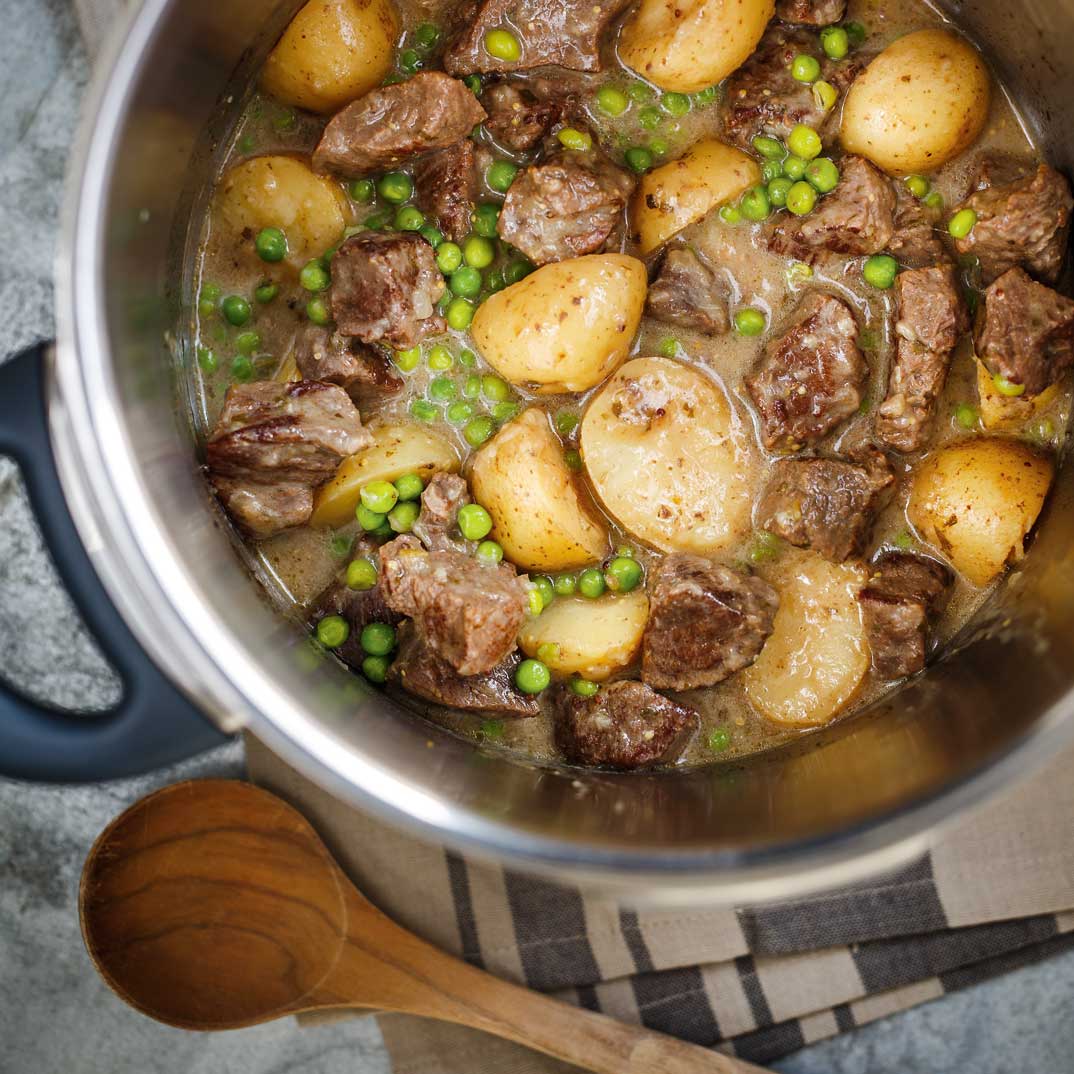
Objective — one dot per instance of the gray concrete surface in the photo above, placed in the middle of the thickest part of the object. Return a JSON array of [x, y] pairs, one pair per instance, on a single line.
[[55, 1015]]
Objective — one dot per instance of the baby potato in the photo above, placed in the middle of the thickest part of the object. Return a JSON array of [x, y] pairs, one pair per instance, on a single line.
[[396, 450], [686, 190], [333, 52], [669, 458], [521, 479], [920, 103], [688, 45], [283, 192], [566, 326], [594, 637], [1006, 414], [817, 655], [976, 500]]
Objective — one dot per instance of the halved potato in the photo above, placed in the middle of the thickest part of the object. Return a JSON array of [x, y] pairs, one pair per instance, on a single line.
[[283, 192], [396, 450], [686, 190], [669, 458], [976, 500], [817, 656], [566, 326], [687, 45], [595, 637], [521, 478], [1006, 414], [333, 52]]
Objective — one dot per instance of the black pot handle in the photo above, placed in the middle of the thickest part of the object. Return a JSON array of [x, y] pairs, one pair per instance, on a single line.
[[153, 724]]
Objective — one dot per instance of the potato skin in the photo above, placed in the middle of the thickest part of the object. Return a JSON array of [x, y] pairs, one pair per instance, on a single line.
[[688, 45], [669, 458], [396, 450], [976, 500], [565, 327], [1003, 414], [920, 103], [686, 190], [521, 479], [333, 52], [595, 637], [283, 192]]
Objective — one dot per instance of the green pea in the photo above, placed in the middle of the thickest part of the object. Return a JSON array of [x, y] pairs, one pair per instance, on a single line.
[[638, 158], [591, 583], [709, 95], [640, 91], [825, 94], [333, 631], [565, 585], [407, 361], [475, 522], [478, 431], [489, 552], [442, 389], [378, 639], [623, 574], [460, 313], [485, 218], [797, 273], [242, 369], [668, 347], [754, 204], [375, 669], [903, 540], [1007, 387], [583, 687], [379, 496], [856, 33], [409, 218], [266, 292], [918, 185], [494, 388], [778, 190], [473, 84], [804, 142], [880, 271], [612, 101], [532, 676], [805, 68], [448, 257], [402, 517], [381, 220], [471, 387], [433, 236], [719, 740], [794, 167], [395, 187], [207, 360], [961, 224], [409, 61], [440, 359], [207, 299], [314, 277], [518, 270], [650, 118], [478, 252], [362, 191], [271, 244], [317, 312], [286, 121], [966, 416], [492, 729], [574, 139], [248, 343], [771, 169], [460, 412], [934, 200], [503, 45], [467, 358], [675, 104], [573, 459], [505, 411], [801, 198], [730, 214], [236, 310], [494, 281], [340, 546], [769, 148], [548, 652], [835, 41], [750, 321], [500, 175], [658, 146], [426, 35], [822, 175], [465, 282], [424, 410], [361, 574], [546, 588]]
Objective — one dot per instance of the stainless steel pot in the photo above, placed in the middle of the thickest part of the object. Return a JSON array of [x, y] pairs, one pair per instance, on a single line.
[[857, 797]]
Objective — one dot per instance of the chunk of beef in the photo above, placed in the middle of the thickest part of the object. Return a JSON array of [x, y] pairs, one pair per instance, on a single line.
[[421, 671], [810, 12], [518, 119], [365, 374], [446, 185], [469, 613], [706, 622], [262, 510], [436, 527], [825, 504], [626, 725], [392, 123], [763, 97], [687, 293], [915, 242], [567, 206], [855, 219], [563, 32], [901, 594], [931, 318], [1025, 331], [811, 378], [1021, 223], [385, 288]]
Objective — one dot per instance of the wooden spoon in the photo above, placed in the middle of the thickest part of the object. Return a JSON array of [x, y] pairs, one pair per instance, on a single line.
[[214, 905]]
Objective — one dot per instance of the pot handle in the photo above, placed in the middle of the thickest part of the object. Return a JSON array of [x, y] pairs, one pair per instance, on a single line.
[[153, 724]]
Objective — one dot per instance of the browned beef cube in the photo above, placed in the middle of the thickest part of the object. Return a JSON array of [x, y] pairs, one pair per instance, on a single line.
[[392, 123], [385, 288], [563, 32], [811, 377], [441, 501], [565, 207], [855, 219], [902, 592], [518, 119], [915, 243], [687, 293], [810, 12], [824, 504], [421, 671], [365, 374], [262, 510], [1025, 331], [706, 622], [468, 612], [931, 318], [625, 725], [763, 97], [1021, 223], [446, 187]]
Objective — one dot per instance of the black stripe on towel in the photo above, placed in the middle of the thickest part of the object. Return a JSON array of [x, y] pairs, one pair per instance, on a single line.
[[459, 879], [675, 1002]]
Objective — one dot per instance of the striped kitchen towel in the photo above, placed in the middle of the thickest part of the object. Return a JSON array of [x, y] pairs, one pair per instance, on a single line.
[[996, 893]]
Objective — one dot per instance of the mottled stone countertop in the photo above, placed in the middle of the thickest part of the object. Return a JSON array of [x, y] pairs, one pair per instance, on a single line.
[[55, 1015]]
